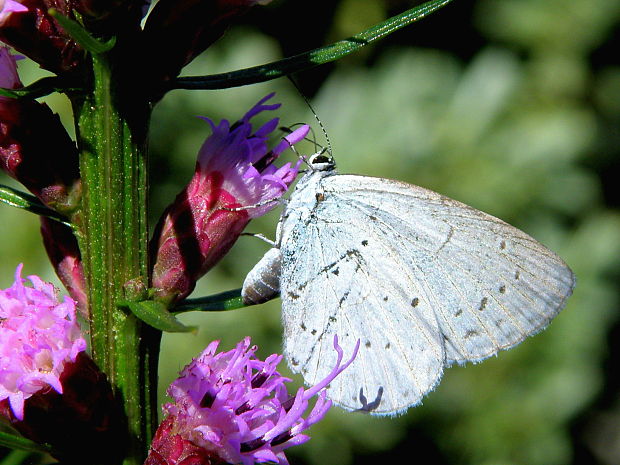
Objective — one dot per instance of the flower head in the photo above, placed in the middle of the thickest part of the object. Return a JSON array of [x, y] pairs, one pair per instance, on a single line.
[[39, 335], [51, 391], [230, 407], [235, 180]]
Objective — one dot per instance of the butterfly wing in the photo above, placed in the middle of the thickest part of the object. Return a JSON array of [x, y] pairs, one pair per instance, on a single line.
[[420, 279], [331, 283], [490, 284]]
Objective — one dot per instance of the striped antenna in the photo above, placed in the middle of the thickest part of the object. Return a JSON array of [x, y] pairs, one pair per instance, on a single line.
[[329, 143]]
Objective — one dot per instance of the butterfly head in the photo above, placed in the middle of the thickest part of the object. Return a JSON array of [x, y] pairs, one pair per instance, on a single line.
[[321, 161]]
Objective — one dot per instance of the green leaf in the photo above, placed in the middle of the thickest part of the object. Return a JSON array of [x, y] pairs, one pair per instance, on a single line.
[[30, 203], [13, 441], [229, 300], [157, 315], [40, 88], [81, 35], [309, 59]]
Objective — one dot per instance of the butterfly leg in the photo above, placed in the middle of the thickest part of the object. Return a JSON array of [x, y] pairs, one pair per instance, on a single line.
[[250, 207], [260, 236]]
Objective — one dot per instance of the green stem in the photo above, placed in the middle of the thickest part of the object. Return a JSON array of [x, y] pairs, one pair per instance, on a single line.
[[112, 126]]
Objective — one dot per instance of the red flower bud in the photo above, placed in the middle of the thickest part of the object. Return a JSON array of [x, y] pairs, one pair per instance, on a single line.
[[178, 31], [27, 27], [235, 170], [35, 148], [64, 253]]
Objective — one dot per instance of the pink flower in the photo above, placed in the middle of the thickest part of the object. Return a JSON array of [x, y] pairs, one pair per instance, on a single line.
[[51, 391], [230, 407], [10, 6], [38, 335], [234, 170]]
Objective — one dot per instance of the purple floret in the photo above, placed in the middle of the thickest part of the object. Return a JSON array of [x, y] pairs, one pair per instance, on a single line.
[[237, 409], [38, 335]]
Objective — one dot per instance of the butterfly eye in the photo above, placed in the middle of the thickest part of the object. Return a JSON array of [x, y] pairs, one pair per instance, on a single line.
[[321, 161]]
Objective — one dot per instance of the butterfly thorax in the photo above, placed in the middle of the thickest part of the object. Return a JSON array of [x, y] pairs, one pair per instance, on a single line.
[[308, 194]]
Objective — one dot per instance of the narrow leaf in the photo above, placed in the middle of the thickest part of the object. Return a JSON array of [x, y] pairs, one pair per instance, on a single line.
[[156, 315], [16, 457], [40, 88], [81, 35], [13, 441], [229, 300], [309, 59], [30, 203]]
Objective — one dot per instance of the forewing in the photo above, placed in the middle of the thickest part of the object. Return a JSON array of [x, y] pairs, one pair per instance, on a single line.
[[336, 279], [489, 284]]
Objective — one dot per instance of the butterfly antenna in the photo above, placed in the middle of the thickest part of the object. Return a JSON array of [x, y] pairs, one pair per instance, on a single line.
[[329, 143], [317, 147], [289, 129]]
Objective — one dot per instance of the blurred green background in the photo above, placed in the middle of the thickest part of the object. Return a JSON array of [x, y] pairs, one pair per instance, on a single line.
[[511, 106]]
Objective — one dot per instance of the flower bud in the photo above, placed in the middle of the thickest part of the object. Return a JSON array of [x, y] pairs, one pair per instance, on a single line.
[[230, 407], [26, 26], [50, 389], [111, 16], [235, 180], [64, 253], [35, 148], [178, 31]]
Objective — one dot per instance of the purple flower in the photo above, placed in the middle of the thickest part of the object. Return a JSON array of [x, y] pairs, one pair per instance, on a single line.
[[38, 335], [10, 6], [235, 170], [51, 391], [9, 78], [230, 407]]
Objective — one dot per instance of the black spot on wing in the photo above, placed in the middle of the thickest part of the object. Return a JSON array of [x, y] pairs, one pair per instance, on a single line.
[[370, 406], [470, 333]]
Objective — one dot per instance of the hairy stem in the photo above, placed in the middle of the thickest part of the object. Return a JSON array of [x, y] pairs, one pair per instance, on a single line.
[[112, 126]]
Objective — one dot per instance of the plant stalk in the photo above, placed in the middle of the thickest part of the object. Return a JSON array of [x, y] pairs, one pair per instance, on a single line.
[[111, 127]]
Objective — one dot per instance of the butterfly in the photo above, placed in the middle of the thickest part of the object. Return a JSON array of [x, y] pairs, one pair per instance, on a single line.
[[421, 280]]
